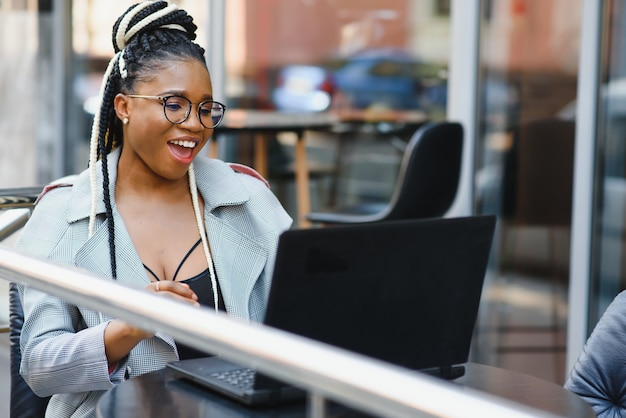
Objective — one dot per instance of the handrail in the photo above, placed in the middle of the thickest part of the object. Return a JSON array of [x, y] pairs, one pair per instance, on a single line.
[[21, 197], [326, 372]]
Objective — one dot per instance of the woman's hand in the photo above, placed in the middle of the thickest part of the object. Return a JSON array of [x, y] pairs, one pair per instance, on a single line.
[[120, 337], [177, 290]]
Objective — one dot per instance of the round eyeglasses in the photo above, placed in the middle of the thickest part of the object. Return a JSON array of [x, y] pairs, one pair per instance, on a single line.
[[178, 108]]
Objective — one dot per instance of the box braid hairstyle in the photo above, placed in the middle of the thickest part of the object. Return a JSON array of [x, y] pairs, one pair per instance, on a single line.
[[144, 37]]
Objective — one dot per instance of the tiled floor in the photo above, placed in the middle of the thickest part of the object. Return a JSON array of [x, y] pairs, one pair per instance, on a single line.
[[519, 330]]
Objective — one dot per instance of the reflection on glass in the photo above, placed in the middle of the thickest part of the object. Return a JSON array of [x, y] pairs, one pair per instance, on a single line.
[[313, 56], [608, 279], [524, 175], [373, 62]]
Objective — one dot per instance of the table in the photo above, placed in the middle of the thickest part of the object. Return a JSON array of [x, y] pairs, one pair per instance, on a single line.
[[262, 123], [162, 394]]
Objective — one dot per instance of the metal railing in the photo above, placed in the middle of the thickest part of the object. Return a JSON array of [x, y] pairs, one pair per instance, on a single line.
[[325, 372], [21, 197]]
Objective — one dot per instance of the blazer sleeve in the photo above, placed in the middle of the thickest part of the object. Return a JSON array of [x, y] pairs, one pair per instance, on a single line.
[[55, 341], [599, 375]]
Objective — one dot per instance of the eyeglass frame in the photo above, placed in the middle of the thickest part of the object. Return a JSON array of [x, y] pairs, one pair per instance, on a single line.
[[164, 100]]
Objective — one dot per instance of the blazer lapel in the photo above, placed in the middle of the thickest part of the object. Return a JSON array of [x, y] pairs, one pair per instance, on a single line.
[[94, 255], [238, 260]]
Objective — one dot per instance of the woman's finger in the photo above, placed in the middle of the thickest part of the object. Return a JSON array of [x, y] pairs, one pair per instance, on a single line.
[[177, 290]]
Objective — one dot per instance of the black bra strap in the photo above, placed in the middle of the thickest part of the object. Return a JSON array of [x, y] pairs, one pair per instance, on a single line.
[[186, 257], [180, 265]]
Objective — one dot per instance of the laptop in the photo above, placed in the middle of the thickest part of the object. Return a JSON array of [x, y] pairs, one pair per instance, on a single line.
[[406, 292]]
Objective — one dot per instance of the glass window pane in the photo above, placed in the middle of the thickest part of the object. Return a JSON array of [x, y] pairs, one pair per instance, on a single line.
[[272, 47], [363, 57], [608, 277], [529, 71]]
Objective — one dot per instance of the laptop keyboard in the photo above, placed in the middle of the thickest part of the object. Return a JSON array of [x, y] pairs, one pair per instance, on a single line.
[[240, 378]]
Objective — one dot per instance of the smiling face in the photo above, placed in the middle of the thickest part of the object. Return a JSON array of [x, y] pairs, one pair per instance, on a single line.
[[153, 146]]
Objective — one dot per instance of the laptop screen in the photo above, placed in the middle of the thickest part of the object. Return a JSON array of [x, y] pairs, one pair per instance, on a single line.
[[406, 292]]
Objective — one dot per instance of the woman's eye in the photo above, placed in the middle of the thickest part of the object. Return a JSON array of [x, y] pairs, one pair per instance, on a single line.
[[173, 106]]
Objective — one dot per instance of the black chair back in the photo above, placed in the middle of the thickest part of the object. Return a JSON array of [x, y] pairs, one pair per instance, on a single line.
[[24, 402], [429, 173], [427, 181]]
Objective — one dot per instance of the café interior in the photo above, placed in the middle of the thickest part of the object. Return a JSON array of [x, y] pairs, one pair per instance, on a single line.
[[323, 97]]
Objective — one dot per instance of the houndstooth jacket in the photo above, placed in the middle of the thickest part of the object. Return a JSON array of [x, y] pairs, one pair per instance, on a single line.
[[62, 344]]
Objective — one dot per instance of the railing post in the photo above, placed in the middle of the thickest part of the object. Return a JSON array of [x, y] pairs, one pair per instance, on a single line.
[[316, 406]]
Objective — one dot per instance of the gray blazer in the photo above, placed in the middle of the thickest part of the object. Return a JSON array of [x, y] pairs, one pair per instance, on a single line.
[[599, 375], [62, 344]]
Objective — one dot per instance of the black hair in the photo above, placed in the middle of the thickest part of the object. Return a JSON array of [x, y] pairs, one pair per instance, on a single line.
[[145, 37]]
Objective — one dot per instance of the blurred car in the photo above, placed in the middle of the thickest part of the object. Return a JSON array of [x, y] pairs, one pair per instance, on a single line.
[[386, 78], [305, 88]]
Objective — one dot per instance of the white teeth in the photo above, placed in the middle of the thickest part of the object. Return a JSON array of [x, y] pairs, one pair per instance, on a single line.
[[186, 144]]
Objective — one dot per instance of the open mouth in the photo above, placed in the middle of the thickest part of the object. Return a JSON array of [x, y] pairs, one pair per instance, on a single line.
[[182, 149], [184, 144]]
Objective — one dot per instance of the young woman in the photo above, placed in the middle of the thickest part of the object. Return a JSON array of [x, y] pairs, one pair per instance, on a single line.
[[149, 212]]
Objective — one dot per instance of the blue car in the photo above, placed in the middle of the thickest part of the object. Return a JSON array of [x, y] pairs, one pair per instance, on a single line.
[[384, 78]]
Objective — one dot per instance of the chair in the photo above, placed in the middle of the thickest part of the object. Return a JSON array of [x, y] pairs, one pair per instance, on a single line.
[[24, 403], [427, 182]]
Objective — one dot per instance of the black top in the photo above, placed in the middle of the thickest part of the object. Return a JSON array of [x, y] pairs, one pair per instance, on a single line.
[[202, 286]]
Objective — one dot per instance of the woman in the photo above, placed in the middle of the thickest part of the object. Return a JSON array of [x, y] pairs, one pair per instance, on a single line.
[[148, 212]]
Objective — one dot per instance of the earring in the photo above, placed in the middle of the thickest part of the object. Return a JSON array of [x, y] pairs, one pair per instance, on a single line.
[[125, 121]]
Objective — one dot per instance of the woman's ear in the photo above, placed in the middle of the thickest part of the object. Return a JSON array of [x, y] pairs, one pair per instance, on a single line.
[[120, 103]]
